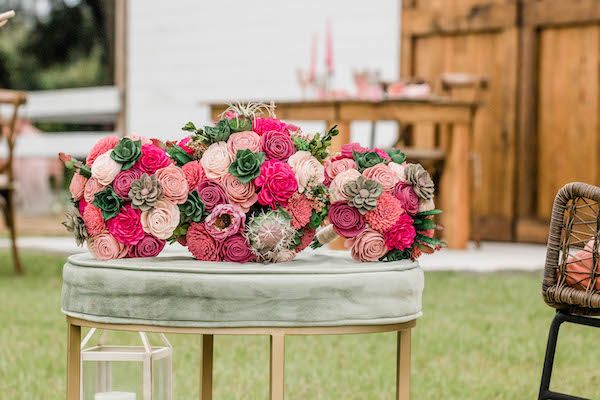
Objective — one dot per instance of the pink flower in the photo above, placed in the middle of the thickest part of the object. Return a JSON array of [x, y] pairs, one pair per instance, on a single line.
[[308, 170], [77, 186], [104, 169], [102, 146], [201, 244], [284, 255], [346, 220], [408, 198], [381, 174], [161, 220], [183, 143], [225, 220], [93, 220], [300, 209], [426, 205], [92, 186], [336, 188], [148, 246], [241, 194], [369, 245], [402, 234], [152, 159], [105, 247], [194, 174], [398, 170], [142, 139], [122, 182], [348, 149], [382, 154], [262, 125], [126, 226], [173, 183], [277, 183], [82, 205], [243, 140], [211, 193], [334, 167], [306, 239], [237, 249], [385, 214], [216, 160], [277, 145]]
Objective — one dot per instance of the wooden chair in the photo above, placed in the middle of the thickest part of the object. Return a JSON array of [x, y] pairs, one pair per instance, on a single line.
[[14, 100], [571, 281]]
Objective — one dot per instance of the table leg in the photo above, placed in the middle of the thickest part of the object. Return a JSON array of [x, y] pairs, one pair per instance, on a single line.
[[277, 370], [403, 365], [206, 372], [73, 361]]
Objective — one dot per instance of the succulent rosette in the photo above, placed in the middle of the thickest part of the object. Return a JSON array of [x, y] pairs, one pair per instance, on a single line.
[[380, 203], [129, 197], [256, 187]]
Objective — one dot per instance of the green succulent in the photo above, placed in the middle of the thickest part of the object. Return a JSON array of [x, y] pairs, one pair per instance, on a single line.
[[127, 152], [145, 192], [363, 193], [246, 165], [396, 155], [240, 124], [367, 159], [74, 224], [193, 209], [108, 202]]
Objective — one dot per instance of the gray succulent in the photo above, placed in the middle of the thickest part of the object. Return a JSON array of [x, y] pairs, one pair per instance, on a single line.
[[145, 192], [420, 180], [74, 224], [363, 193]]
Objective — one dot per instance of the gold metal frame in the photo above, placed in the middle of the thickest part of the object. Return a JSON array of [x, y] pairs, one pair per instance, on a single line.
[[277, 349]]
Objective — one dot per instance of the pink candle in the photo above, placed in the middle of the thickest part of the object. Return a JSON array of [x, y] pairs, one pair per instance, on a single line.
[[313, 58], [329, 49]]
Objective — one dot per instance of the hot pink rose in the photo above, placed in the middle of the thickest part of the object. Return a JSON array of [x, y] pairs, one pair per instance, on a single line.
[[102, 146], [237, 249], [93, 220], [381, 174], [92, 186], [126, 226], [161, 220], [183, 143], [104, 169], [241, 194], [262, 125], [105, 247], [149, 246], [243, 140], [77, 186], [408, 198], [334, 167], [225, 220], [82, 205], [201, 244], [348, 149], [382, 153], [369, 245], [216, 160], [173, 183], [194, 174], [402, 234], [346, 220], [211, 193], [152, 159], [277, 145], [122, 182], [277, 183]]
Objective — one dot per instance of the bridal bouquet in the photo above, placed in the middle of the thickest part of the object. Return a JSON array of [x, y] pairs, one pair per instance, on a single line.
[[256, 186], [126, 197], [382, 205]]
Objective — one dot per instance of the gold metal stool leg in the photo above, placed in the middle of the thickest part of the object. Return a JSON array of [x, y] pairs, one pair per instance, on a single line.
[[277, 375], [206, 372], [403, 365], [73, 361]]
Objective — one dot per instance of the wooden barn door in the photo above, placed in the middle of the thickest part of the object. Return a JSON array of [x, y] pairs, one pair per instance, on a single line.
[[560, 137], [479, 37]]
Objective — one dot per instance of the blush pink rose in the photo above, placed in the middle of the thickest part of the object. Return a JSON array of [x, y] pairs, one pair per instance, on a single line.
[[277, 145], [161, 220], [211, 193], [216, 160], [122, 182], [308, 170], [93, 220], [126, 226], [262, 125], [152, 159], [77, 186], [277, 183], [334, 167], [237, 249], [336, 188], [224, 220], [241, 194], [102, 146], [408, 198], [173, 183], [201, 244], [346, 220], [381, 174], [398, 170], [369, 245], [144, 140], [402, 234], [104, 169], [243, 140], [105, 247], [194, 174], [92, 186], [148, 246]]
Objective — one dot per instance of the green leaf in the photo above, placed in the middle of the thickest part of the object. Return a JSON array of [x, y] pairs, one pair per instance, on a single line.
[[427, 213], [424, 224], [189, 127], [179, 155], [426, 239]]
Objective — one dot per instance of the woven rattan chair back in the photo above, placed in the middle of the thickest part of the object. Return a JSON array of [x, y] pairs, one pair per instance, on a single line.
[[572, 276]]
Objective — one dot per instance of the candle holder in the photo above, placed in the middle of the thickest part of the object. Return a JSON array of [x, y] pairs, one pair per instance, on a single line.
[[111, 372]]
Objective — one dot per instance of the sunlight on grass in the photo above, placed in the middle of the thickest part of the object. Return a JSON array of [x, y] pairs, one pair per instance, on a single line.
[[482, 337]]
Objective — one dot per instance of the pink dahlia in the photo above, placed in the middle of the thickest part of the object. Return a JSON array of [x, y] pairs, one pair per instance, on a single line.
[[346, 220], [237, 249], [277, 183], [102, 146], [225, 220], [149, 246], [152, 159], [402, 234], [93, 220], [300, 209], [262, 125], [201, 244], [122, 182], [277, 145], [126, 226], [385, 214]]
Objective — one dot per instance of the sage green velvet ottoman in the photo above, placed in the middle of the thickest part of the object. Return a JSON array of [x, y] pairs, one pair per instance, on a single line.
[[324, 293]]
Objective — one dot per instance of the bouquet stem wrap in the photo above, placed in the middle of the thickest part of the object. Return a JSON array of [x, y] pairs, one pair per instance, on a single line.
[[326, 235]]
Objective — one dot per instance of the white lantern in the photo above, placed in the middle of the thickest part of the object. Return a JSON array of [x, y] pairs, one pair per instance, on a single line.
[[126, 372]]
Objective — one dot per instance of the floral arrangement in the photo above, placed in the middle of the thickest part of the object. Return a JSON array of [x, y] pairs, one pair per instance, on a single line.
[[126, 197], [256, 186], [382, 205]]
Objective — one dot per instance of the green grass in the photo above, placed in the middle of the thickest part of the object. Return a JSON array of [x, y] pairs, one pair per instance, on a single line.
[[482, 337]]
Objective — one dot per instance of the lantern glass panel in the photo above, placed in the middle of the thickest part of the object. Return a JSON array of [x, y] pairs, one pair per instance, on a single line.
[[112, 376], [161, 378]]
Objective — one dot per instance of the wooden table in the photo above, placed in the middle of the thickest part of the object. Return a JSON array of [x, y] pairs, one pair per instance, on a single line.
[[457, 116]]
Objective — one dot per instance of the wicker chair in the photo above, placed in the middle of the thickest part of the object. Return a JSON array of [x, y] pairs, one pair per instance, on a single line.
[[570, 278]]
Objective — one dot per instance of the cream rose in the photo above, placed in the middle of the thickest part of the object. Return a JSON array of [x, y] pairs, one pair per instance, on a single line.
[[161, 220], [105, 247], [333, 168], [243, 140], [104, 169], [308, 170], [398, 170], [173, 183], [336, 189], [216, 160], [383, 175]]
